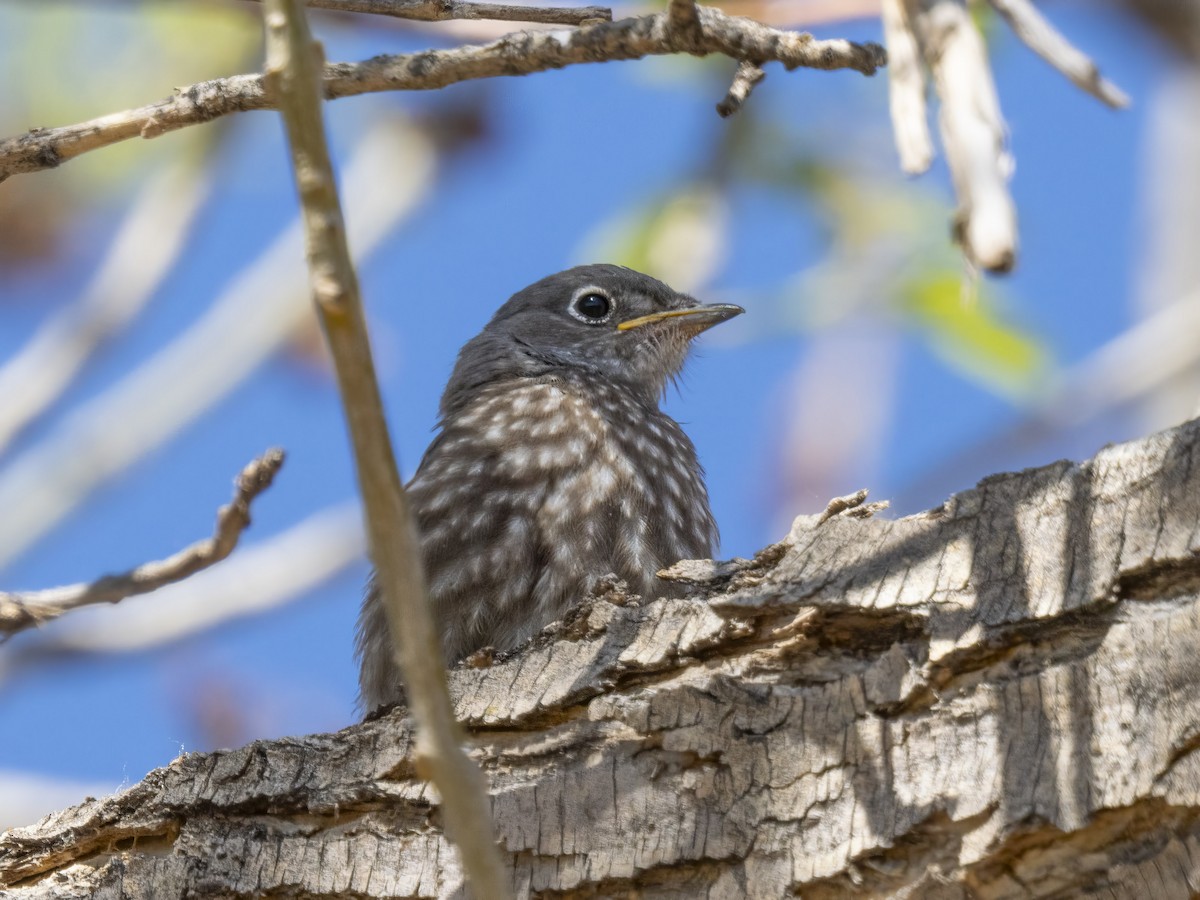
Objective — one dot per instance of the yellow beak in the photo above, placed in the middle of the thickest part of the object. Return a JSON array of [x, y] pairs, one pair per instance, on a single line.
[[701, 317]]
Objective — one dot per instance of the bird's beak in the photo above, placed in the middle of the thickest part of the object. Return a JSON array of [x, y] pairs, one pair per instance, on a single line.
[[696, 318]]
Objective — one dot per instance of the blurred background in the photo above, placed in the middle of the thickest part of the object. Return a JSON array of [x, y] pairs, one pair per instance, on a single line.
[[155, 332]]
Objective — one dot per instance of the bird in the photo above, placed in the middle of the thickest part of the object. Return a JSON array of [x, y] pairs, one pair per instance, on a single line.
[[553, 466]]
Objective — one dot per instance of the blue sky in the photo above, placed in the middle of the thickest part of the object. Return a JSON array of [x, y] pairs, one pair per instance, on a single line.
[[564, 152]]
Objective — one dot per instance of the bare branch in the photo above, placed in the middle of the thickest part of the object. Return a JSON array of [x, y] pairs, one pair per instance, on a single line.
[[1047, 42], [516, 54], [445, 10], [19, 611], [684, 20], [973, 133], [906, 89], [145, 247], [745, 78], [294, 76], [262, 576]]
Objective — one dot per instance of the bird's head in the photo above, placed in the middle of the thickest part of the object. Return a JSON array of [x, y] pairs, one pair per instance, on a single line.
[[604, 320]]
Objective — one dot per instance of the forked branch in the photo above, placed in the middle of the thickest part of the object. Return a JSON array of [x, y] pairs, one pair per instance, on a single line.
[[515, 54]]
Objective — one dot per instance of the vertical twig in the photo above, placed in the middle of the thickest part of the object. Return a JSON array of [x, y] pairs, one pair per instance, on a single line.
[[906, 89], [973, 133], [294, 73]]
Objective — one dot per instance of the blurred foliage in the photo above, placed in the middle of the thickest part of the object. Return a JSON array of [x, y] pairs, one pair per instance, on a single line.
[[970, 331], [56, 60], [679, 236], [888, 255]]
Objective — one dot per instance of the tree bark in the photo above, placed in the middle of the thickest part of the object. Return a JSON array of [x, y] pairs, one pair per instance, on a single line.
[[999, 697]]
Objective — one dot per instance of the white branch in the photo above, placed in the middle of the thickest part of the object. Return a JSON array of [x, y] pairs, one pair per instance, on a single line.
[[906, 89], [1047, 42], [145, 248], [294, 77], [255, 316], [261, 577], [973, 133], [745, 79]]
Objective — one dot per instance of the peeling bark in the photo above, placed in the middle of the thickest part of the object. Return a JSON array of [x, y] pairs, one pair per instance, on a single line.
[[995, 698]]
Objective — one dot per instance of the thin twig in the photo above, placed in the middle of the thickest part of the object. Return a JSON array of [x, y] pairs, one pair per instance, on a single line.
[[445, 10], [257, 313], [260, 577], [745, 78], [1047, 42], [516, 54], [973, 133], [19, 611], [906, 89], [294, 76]]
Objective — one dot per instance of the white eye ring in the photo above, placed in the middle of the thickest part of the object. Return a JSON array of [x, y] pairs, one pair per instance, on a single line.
[[591, 306]]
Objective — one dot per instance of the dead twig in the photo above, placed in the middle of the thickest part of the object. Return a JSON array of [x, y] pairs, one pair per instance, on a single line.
[[1048, 42], [973, 133], [19, 611], [906, 89], [445, 10], [516, 54], [294, 76], [745, 78]]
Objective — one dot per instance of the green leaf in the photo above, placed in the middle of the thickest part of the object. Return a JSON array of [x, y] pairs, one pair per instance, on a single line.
[[971, 334]]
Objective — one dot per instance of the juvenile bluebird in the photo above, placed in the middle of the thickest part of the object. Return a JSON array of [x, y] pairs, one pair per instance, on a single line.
[[553, 465]]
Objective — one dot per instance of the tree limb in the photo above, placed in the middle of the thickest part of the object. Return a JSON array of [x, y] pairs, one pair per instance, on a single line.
[[445, 10], [745, 79], [998, 697], [261, 577], [516, 54], [294, 69], [906, 88], [19, 611], [1047, 42], [973, 133]]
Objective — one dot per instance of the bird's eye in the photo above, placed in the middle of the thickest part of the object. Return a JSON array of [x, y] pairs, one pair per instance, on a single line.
[[592, 308]]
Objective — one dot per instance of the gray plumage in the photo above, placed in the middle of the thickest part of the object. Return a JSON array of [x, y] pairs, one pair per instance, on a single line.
[[553, 465]]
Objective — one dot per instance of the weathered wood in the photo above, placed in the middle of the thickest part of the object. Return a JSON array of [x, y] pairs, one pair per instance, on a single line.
[[996, 698]]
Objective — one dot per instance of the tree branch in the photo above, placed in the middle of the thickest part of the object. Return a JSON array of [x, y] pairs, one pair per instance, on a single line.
[[19, 611], [683, 17], [745, 78], [999, 697], [973, 133], [445, 10], [294, 77], [261, 577], [1047, 42], [906, 88], [516, 54]]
